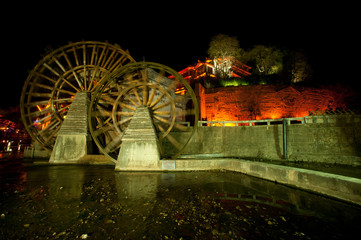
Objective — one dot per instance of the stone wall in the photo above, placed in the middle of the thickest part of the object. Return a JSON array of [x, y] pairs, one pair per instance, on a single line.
[[268, 102], [332, 139]]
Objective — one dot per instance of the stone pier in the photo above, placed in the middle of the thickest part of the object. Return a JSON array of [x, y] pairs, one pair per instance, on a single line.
[[74, 140], [139, 149]]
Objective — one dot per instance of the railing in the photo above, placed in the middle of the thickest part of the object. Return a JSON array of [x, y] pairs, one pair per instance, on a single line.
[[249, 122], [187, 124], [299, 120]]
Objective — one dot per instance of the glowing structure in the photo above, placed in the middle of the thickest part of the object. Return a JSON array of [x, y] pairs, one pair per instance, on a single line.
[[238, 101], [70, 77], [208, 69], [12, 137], [52, 84], [256, 102]]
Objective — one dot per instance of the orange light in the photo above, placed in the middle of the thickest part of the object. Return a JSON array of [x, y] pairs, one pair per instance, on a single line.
[[196, 71], [180, 91]]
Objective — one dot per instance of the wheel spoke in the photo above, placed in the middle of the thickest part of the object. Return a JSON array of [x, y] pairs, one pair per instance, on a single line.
[[59, 64], [127, 106], [135, 92], [114, 144], [39, 94], [125, 114], [50, 127], [52, 134], [145, 95], [163, 120], [51, 69], [106, 98], [172, 86], [38, 74], [150, 99], [174, 142], [103, 130], [110, 59], [132, 101], [120, 62], [180, 127], [170, 138], [38, 113], [162, 113], [160, 77], [161, 106], [41, 85], [71, 85], [157, 100]]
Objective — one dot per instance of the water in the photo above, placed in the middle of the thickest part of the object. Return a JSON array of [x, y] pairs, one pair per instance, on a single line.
[[94, 202]]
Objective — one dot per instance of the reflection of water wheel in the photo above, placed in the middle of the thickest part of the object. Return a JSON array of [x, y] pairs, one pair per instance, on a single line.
[[52, 84], [172, 103]]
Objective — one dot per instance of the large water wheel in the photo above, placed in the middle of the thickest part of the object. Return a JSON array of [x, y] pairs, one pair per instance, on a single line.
[[171, 101], [54, 81]]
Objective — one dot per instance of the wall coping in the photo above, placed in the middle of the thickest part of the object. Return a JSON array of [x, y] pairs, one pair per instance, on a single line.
[[351, 118], [332, 185]]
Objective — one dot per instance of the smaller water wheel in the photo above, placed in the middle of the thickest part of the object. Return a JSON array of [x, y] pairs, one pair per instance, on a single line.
[[171, 101], [52, 84]]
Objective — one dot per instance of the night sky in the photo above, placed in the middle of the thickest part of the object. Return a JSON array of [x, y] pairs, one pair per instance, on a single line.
[[178, 34]]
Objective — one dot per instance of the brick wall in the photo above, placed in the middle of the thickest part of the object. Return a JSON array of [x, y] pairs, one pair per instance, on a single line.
[[266, 102]]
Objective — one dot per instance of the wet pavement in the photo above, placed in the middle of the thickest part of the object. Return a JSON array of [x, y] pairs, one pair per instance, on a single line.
[[94, 202]]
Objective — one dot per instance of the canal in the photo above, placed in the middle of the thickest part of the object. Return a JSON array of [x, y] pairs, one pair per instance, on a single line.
[[94, 202]]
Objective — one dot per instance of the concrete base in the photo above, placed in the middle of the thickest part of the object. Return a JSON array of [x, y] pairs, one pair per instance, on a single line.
[[139, 149], [337, 186], [35, 151], [332, 185], [74, 141]]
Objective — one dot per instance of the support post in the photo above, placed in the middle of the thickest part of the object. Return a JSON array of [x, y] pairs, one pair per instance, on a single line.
[[139, 150], [74, 141], [284, 125]]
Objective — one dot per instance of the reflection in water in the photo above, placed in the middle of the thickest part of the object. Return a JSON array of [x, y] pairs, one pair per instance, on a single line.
[[70, 202]]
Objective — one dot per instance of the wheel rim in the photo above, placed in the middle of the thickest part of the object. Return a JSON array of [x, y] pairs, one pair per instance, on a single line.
[[137, 85], [50, 87]]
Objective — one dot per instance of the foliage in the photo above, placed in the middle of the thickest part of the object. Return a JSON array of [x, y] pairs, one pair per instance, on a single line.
[[251, 80], [223, 49], [222, 46], [267, 60], [233, 82], [300, 69], [270, 65]]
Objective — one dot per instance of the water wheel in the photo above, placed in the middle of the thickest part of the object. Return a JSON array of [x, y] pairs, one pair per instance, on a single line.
[[171, 101], [50, 87]]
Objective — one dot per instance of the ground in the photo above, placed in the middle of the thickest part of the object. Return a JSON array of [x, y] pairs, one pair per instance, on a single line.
[[92, 202]]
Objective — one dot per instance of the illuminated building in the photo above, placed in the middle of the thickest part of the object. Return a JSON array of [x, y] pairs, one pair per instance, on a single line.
[[13, 138], [205, 72], [208, 70], [238, 101]]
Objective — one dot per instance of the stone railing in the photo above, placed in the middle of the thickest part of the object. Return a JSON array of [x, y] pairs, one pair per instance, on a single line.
[[300, 120]]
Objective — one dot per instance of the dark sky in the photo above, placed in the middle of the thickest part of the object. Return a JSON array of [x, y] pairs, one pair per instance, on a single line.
[[178, 34]]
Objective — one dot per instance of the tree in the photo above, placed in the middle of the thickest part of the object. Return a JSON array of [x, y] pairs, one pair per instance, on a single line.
[[224, 49], [267, 60], [301, 70]]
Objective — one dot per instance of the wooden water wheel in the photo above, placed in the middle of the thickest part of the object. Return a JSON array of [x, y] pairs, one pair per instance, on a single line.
[[171, 101], [54, 81]]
